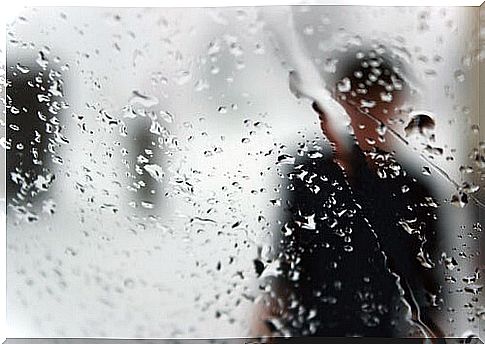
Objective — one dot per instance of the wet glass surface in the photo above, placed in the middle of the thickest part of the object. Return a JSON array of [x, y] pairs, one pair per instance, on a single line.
[[243, 172]]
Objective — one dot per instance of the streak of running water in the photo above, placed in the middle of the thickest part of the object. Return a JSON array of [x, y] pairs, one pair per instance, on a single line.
[[413, 314], [305, 81]]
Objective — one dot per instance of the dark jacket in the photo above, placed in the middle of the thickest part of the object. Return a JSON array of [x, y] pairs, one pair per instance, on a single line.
[[355, 256]]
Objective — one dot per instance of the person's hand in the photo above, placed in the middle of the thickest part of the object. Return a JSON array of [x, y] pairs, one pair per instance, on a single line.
[[270, 308]]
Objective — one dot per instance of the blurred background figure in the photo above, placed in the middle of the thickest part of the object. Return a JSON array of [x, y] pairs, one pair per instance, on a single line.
[[34, 99]]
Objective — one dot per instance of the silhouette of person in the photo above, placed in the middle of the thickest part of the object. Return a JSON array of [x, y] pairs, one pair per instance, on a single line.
[[356, 255]]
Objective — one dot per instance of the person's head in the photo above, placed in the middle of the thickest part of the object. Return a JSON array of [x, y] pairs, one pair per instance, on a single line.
[[370, 82]]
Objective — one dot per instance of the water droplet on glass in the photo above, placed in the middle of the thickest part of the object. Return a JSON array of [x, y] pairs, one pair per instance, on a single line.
[[286, 159], [474, 289], [42, 60], [147, 205], [386, 97], [182, 77], [155, 171], [459, 75], [469, 188], [459, 199], [466, 169], [426, 171], [129, 283], [420, 124], [433, 150], [258, 267], [166, 116], [344, 85], [142, 99], [22, 69], [309, 222]]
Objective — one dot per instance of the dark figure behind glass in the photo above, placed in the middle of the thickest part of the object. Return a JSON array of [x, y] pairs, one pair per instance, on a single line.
[[28, 122], [357, 254]]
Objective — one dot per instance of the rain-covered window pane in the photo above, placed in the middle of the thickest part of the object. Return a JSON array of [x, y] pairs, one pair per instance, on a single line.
[[244, 172]]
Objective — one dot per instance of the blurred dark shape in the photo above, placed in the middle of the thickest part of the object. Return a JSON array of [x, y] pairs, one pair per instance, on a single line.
[[28, 122], [146, 151], [360, 253]]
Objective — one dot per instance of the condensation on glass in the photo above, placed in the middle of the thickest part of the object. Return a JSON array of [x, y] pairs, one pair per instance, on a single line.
[[244, 172]]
